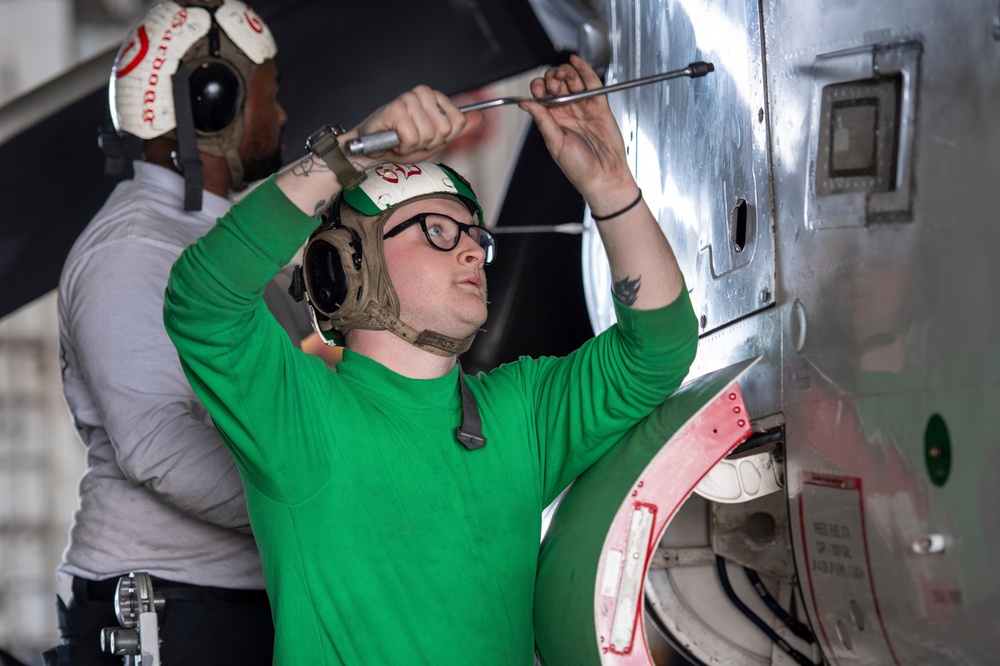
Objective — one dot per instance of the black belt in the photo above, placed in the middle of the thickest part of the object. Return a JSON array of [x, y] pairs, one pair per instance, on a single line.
[[105, 590]]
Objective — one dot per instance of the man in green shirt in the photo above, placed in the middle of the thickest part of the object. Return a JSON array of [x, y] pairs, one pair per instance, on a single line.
[[392, 528]]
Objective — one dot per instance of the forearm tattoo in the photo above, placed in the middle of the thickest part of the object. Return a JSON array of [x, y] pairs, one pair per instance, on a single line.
[[626, 290], [306, 167]]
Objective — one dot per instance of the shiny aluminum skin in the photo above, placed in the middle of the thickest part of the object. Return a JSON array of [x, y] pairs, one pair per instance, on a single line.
[[868, 297]]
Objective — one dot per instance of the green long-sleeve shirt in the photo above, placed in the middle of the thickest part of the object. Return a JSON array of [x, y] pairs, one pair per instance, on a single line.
[[384, 540]]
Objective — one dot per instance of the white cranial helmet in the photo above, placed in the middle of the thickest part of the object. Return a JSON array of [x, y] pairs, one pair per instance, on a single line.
[[344, 274], [217, 45]]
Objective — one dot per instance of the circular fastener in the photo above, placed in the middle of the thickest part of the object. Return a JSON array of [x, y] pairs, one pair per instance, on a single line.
[[929, 544]]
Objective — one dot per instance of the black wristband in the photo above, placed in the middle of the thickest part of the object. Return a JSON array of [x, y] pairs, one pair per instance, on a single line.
[[601, 218]]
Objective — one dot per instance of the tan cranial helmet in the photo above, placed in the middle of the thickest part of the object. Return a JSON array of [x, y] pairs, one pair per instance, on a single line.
[[344, 271], [210, 48]]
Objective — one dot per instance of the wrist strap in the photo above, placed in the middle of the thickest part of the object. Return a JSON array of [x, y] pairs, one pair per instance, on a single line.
[[323, 143], [601, 218]]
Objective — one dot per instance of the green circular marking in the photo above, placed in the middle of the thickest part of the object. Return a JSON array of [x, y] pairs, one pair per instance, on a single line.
[[937, 450]]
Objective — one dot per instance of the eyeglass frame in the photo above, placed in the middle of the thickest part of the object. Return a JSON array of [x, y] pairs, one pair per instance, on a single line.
[[421, 219]]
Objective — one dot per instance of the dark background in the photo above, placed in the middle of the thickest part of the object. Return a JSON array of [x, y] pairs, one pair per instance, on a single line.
[[338, 62]]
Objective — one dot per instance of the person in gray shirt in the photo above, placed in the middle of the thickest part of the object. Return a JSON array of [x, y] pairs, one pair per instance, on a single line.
[[161, 493]]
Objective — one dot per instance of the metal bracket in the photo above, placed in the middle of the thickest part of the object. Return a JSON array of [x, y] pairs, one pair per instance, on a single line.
[[137, 641]]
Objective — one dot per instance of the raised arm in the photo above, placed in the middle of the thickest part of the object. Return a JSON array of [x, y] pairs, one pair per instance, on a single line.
[[586, 142], [425, 120]]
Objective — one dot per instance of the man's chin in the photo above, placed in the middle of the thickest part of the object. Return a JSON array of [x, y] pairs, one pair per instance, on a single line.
[[459, 323], [480, 319], [469, 326]]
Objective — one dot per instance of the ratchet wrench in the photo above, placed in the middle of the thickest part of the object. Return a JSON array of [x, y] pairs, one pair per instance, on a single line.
[[379, 141]]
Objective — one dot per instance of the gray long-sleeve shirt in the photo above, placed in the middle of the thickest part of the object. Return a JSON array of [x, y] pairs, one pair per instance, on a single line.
[[160, 493]]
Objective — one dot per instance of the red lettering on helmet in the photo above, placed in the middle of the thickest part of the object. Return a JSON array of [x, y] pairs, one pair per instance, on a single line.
[[179, 18], [386, 173], [391, 172], [161, 50], [134, 62], [409, 170], [254, 21]]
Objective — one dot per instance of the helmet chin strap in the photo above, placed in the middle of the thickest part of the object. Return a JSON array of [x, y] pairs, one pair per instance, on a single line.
[[431, 341], [187, 159], [470, 431]]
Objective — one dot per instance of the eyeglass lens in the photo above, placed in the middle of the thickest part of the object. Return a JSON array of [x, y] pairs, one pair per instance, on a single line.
[[444, 233]]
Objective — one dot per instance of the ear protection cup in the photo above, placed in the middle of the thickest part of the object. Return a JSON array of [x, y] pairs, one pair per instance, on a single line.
[[217, 94], [332, 270]]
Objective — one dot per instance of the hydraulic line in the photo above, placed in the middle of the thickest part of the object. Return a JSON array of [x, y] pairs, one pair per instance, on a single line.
[[798, 657], [796, 627]]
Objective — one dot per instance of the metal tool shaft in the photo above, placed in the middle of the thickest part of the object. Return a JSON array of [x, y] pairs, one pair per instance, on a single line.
[[380, 141]]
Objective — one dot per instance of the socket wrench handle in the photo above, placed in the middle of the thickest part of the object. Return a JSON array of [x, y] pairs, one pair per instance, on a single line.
[[387, 140]]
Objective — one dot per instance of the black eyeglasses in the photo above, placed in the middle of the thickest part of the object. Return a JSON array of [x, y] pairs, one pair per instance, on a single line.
[[444, 233]]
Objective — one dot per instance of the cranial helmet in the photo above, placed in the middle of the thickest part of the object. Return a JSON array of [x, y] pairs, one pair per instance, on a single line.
[[344, 273], [183, 73]]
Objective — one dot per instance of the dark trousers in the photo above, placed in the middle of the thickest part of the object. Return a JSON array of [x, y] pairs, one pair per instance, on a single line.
[[198, 626]]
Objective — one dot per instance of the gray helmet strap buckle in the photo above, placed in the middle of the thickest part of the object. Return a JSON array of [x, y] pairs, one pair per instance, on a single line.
[[470, 430]]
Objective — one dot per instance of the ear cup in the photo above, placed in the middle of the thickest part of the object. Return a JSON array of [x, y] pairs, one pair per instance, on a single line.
[[327, 282], [216, 95], [332, 265]]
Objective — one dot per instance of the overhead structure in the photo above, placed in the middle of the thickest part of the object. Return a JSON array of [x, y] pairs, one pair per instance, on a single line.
[[336, 66]]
